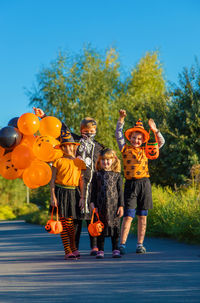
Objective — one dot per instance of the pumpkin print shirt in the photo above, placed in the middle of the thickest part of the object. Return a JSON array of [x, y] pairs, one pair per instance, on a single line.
[[134, 159]]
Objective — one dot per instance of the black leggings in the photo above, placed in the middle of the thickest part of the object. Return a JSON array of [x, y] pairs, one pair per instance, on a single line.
[[114, 239], [78, 227]]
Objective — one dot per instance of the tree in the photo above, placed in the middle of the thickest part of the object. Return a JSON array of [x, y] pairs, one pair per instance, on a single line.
[[183, 127], [90, 84], [74, 87], [146, 94]]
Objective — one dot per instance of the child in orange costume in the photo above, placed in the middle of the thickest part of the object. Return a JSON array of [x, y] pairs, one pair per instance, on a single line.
[[137, 191], [66, 177], [88, 150]]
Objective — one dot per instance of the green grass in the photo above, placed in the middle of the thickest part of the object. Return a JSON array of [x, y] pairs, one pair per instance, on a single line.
[[176, 214]]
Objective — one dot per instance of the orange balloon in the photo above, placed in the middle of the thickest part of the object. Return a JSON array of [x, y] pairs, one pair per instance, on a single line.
[[22, 156], [28, 124], [44, 150], [27, 179], [38, 174], [7, 168], [44, 172], [2, 151], [28, 140], [50, 126]]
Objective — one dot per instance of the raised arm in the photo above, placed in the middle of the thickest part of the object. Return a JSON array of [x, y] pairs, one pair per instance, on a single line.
[[39, 112], [119, 129], [160, 138]]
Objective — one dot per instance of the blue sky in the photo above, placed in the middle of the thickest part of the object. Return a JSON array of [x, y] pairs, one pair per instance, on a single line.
[[33, 31]]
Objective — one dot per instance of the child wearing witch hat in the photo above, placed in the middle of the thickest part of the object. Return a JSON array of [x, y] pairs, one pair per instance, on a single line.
[[88, 150], [137, 191], [65, 183]]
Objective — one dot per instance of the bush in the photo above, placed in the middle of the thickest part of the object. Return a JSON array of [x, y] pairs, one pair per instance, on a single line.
[[175, 214], [6, 213]]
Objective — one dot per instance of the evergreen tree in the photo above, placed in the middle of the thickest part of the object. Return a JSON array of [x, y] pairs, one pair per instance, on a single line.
[[183, 127]]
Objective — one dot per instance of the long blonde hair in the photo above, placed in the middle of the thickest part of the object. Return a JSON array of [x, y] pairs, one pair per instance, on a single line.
[[109, 154]]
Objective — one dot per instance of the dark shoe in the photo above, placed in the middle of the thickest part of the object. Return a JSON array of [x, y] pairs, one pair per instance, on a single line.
[[94, 251], [70, 256], [140, 250], [116, 253], [100, 254], [122, 249], [76, 253]]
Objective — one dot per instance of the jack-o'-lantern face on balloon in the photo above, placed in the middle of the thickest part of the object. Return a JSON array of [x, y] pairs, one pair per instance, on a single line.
[[152, 150], [44, 150], [8, 169]]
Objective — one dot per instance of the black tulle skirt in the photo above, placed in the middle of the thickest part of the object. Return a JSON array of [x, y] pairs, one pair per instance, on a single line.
[[68, 202]]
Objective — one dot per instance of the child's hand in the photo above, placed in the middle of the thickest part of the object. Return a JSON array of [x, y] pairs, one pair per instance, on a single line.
[[120, 211], [152, 125], [39, 112], [54, 202], [81, 203], [122, 113]]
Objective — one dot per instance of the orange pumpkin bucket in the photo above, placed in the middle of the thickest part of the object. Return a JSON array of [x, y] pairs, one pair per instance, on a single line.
[[152, 149], [95, 228], [54, 226]]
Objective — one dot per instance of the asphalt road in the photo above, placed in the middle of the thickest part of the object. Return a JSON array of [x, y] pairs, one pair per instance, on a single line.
[[33, 269]]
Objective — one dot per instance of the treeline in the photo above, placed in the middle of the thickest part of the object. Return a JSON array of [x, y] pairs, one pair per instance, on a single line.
[[94, 84]]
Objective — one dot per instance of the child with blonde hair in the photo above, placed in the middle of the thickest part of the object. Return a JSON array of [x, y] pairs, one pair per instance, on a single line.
[[107, 198]]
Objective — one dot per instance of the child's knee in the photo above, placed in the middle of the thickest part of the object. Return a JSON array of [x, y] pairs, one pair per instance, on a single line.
[[142, 219], [127, 219]]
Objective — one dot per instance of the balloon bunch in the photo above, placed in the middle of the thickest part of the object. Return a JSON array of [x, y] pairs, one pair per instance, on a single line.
[[27, 147]]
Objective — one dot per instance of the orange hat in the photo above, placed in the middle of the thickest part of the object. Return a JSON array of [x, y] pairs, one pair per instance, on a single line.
[[137, 128]]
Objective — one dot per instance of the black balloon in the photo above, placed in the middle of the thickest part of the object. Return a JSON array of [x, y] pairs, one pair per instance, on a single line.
[[9, 137], [13, 122]]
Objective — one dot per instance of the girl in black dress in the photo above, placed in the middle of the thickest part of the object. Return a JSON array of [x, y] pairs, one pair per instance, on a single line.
[[107, 197]]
